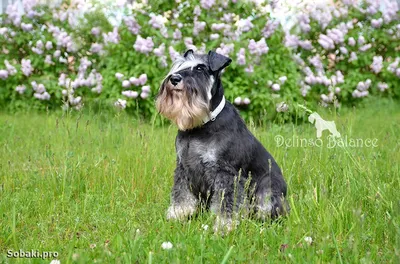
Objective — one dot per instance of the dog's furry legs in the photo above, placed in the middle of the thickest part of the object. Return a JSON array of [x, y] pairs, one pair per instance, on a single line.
[[183, 202]]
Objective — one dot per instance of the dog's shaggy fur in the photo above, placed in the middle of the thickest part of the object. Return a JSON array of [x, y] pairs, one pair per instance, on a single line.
[[220, 164]]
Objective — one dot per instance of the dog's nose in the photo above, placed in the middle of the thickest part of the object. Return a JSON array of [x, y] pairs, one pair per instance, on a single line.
[[175, 79]]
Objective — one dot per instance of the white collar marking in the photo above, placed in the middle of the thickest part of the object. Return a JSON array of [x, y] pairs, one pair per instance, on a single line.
[[216, 111]]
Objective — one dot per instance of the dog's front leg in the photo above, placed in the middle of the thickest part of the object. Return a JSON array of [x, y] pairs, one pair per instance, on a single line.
[[183, 202], [226, 200]]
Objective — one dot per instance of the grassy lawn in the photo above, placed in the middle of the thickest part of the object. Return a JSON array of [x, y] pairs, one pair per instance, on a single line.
[[96, 187]]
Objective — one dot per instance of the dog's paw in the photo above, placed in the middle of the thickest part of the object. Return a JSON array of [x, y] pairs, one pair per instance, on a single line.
[[224, 225], [180, 212]]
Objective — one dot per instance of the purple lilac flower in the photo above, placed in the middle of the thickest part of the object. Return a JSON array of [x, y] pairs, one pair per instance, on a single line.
[[132, 25], [146, 89], [214, 36], [282, 79], [120, 103], [20, 89], [225, 49], [96, 48], [269, 28], [99, 86], [249, 69], [365, 47], [3, 74], [304, 22], [382, 86], [157, 21], [352, 41], [305, 44], [173, 53], [246, 101], [218, 26], [377, 64], [228, 18], [198, 27], [95, 31], [339, 77], [111, 37], [26, 27], [353, 57], [241, 57], [143, 45], [244, 25], [238, 101], [259, 48], [276, 87], [134, 81], [361, 40], [189, 43], [373, 7], [130, 94], [119, 75], [159, 52], [144, 95], [177, 34], [336, 35], [11, 69], [207, 4], [57, 54], [142, 79], [389, 13], [343, 50], [376, 23], [14, 14], [42, 96], [326, 42], [291, 41], [126, 84], [197, 11], [317, 63], [49, 45], [393, 66], [26, 67], [48, 60]]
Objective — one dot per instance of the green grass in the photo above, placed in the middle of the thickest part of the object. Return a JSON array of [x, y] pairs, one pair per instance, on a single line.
[[69, 182]]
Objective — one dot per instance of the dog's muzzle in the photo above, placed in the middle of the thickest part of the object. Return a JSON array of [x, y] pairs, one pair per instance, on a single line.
[[175, 79]]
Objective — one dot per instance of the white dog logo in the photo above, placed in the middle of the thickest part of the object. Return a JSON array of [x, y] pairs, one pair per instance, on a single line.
[[321, 125]]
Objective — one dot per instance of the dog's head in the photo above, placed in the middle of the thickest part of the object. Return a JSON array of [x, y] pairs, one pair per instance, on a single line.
[[192, 88]]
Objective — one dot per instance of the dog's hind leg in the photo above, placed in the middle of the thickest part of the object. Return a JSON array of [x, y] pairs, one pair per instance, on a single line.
[[270, 206]]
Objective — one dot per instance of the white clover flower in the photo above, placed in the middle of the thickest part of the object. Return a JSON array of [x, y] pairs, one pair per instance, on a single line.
[[166, 245], [308, 240], [205, 227]]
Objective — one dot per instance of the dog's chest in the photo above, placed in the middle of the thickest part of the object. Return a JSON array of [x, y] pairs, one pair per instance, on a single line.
[[193, 151]]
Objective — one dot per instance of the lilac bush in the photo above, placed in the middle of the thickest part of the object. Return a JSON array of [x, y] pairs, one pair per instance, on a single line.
[[355, 45], [62, 57]]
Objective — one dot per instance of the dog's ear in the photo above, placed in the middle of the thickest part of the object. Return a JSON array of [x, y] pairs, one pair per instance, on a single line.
[[188, 52], [217, 61]]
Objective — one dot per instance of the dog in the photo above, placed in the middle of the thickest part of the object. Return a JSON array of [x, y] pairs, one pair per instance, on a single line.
[[220, 165], [321, 125]]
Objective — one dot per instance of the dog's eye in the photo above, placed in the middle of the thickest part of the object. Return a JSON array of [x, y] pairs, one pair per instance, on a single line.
[[199, 68]]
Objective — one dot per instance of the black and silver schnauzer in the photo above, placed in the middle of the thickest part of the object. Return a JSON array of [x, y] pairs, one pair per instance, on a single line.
[[220, 164]]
